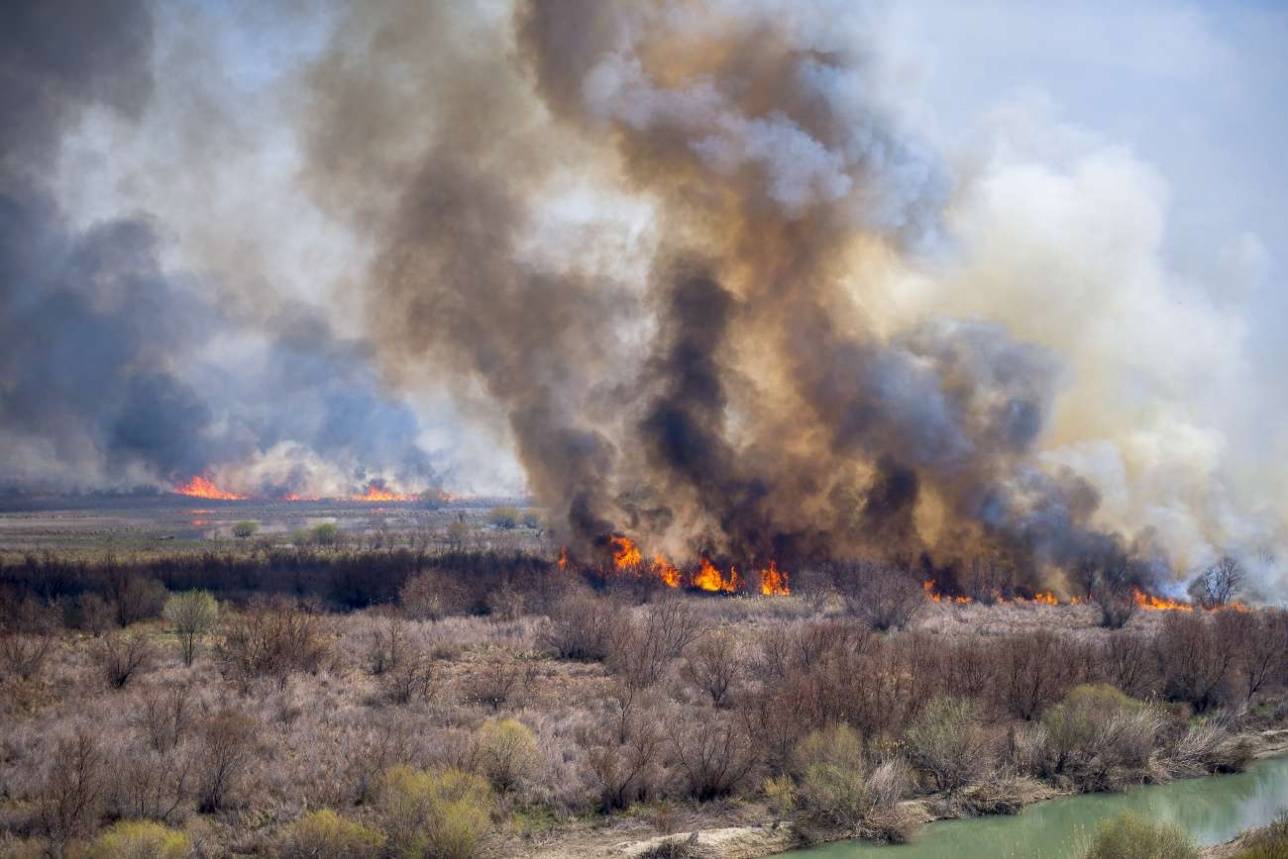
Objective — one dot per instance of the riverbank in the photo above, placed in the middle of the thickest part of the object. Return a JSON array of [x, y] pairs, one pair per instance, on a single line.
[[720, 836]]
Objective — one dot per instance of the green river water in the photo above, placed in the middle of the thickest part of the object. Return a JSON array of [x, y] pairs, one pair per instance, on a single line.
[[1212, 810]]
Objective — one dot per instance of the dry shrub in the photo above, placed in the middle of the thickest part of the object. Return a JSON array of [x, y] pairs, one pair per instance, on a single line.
[[582, 627], [164, 715], [625, 760], [948, 744], [139, 839], [22, 656], [411, 679], [386, 645], [641, 650], [505, 603], [1116, 604], [1099, 738], [274, 640], [1205, 748], [496, 683], [433, 595], [505, 752], [714, 665], [1033, 671], [445, 814], [1193, 660], [89, 612], [226, 747], [1126, 662], [882, 595], [123, 656], [326, 835], [714, 755], [147, 783], [135, 597], [75, 787]]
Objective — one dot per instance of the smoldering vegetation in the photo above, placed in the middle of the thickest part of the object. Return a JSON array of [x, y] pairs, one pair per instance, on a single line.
[[355, 702]]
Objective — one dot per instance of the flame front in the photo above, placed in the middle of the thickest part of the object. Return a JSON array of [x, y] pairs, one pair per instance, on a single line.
[[773, 581], [626, 555], [1149, 602], [666, 572], [377, 492], [708, 578], [202, 487]]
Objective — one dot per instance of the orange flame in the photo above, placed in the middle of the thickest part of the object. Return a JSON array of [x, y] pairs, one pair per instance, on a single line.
[[563, 558], [667, 573], [935, 596], [626, 555], [201, 487], [376, 492], [773, 581], [1149, 602], [708, 578]]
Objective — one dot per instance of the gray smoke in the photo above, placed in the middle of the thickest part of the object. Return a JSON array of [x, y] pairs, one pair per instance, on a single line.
[[105, 380], [737, 400]]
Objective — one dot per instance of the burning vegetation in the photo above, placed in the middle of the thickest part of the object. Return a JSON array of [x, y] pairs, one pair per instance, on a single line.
[[627, 560]]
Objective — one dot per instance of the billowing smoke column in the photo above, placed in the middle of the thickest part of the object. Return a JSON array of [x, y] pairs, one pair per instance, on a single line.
[[106, 373], [737, 400]]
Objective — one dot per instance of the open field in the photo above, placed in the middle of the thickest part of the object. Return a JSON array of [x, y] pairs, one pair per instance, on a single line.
[[432, 660]]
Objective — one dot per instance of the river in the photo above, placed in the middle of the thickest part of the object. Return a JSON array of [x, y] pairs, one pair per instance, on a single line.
[[1212, 809]]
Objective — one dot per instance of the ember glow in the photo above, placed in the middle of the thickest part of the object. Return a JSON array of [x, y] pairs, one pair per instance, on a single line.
[[202, 487]]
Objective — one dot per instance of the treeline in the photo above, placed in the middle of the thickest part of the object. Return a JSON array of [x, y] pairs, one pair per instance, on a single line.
[[134, 588]]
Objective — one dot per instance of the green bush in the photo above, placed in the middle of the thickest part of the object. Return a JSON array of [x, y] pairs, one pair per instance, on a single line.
[[506, 753], [326, 835], [435, 815], [243, 530], [948, 743], [1099, 738], [1132, 837], [193, 614], [139, 839], [326, 534], [833, 785]]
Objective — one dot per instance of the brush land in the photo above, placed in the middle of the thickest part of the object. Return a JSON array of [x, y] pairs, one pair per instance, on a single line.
[[402, 682]]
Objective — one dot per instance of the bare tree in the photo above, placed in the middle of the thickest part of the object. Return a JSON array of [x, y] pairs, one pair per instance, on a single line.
[[1218, 584]]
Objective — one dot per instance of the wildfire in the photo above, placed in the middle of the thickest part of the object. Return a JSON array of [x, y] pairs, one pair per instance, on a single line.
[[773, 581], [201, 487], [563, 558], [708, 578], [666, 572], [626, 555], [295, 496], [1149, 602], [935, 596], [377, 492]]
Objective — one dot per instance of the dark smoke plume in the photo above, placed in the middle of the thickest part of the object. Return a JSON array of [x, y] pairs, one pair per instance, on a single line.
[[105, 380], [737, 400]]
